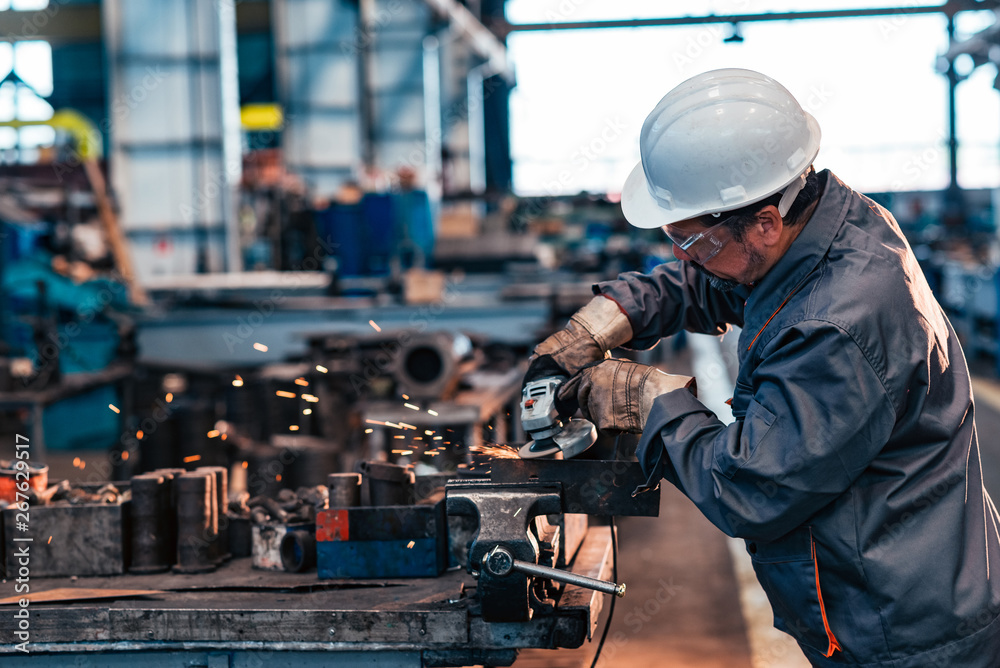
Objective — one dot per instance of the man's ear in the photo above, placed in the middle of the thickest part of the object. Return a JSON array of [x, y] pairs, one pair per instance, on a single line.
[[768, 225]]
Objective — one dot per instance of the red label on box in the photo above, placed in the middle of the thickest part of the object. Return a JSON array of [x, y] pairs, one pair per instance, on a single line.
[[332, 525]]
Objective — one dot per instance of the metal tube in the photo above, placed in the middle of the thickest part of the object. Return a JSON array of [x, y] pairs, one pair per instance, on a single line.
[[344, 489], [950, 8], [500, 562], [196, 527], [151, 515], [569, 578]]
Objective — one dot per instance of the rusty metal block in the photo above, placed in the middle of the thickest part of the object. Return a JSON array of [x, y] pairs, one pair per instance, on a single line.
[[67, 540]]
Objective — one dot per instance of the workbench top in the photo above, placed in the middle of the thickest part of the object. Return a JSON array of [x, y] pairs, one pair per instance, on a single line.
[[238, 609]]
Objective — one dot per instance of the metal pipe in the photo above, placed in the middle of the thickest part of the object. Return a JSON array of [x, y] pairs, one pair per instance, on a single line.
[[953, 80], [433, 129], [344, 489], [196, 527], [499, 561], [151, 515], [476, 124], [950, 8], [482, 40]]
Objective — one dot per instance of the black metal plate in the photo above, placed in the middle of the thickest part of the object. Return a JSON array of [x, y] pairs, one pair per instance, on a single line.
[[600, 488]]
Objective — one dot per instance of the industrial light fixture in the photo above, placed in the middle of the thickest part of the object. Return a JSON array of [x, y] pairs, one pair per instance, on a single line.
[[735, 37]]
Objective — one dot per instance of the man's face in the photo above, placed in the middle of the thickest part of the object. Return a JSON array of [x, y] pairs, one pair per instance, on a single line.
[[747, 271], [731, 263]]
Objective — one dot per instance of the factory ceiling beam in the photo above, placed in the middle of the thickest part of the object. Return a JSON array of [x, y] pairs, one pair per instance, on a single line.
[[480, 38], [950, 8], [57, 24], [62, 23]]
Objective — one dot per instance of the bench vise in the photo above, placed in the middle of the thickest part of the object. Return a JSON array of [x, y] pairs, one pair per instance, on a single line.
[[532, 516]]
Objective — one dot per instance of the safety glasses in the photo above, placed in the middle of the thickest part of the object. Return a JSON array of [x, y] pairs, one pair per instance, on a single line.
[[700, 243]]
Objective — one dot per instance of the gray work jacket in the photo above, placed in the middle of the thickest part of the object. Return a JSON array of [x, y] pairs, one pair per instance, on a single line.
[[852, 469]]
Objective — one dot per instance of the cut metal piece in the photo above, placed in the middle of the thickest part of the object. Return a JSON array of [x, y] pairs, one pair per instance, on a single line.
[[576, 437]]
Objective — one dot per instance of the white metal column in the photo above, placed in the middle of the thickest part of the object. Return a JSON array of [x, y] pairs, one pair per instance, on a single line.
[[174, 124], [318, 44]]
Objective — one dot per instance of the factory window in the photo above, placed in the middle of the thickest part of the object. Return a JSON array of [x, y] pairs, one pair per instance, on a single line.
[[582, 95], [27, 81], [24, 5]]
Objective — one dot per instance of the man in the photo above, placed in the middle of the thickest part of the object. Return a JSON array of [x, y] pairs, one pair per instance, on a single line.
[[852, 468]]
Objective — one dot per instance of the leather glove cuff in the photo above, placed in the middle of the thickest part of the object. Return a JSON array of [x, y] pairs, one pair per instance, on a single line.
[[619, 394], [604, 321]]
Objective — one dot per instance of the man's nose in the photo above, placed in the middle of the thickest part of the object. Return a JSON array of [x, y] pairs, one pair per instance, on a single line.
[[681, 255]]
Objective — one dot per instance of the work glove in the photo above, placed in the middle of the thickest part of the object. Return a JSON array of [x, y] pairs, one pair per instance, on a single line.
[[617, 395], [590, 335]]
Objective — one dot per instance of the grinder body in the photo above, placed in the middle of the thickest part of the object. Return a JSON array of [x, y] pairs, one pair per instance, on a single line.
[[550, 436]]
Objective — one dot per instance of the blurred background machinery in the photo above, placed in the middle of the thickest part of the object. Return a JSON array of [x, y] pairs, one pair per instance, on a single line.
[[271, 271]]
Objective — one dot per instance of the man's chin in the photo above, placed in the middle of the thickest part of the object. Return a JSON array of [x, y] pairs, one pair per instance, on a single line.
[[720, 284]]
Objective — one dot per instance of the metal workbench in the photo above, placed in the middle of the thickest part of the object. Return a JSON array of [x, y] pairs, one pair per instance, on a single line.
[[242, 617]]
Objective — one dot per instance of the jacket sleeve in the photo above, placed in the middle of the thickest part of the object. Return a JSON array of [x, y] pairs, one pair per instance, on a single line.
[[818, 414], [672, 297]]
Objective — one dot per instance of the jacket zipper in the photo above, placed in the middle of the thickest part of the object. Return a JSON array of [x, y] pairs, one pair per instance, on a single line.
[[834, 645], [781, 306]]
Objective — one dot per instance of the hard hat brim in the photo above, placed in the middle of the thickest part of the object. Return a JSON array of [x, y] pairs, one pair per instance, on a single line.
[[641, 209]]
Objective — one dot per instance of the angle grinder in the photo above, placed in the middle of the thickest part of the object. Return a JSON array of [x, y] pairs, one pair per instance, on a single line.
[[540, 419]]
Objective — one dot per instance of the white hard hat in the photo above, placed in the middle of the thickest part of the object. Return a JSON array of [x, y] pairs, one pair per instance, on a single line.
[[717, 142]]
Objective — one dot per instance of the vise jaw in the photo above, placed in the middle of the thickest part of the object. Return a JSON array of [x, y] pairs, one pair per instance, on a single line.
[[506, 514], [518, 548]]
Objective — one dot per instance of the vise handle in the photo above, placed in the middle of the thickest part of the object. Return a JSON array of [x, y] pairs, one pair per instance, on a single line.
[[500, 562]]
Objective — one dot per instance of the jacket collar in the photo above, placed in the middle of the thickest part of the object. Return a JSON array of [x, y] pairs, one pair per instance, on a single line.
[[802, 257]]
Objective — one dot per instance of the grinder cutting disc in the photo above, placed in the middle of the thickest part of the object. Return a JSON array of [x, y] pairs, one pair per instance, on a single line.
[[574, 438]]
